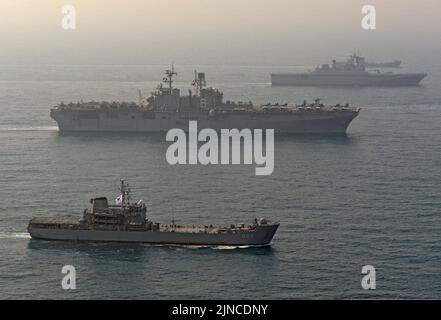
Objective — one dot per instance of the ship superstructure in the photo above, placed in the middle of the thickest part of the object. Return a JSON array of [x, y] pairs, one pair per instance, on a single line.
[[127, 222], [391, 64], [166, 108]]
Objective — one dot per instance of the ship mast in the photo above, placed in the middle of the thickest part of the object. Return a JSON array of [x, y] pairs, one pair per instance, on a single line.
[[199, 81], [140, 99], [125, 193], [169, 78]]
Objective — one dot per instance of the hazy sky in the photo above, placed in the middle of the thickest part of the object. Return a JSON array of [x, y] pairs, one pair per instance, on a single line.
[[244, 32]]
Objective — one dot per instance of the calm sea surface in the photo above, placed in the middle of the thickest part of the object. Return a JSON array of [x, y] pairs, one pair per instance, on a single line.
[[370, 198]]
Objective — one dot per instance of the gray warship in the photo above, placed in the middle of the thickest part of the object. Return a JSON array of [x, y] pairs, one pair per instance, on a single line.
[[127, 222], [350, 73], [166, 109]]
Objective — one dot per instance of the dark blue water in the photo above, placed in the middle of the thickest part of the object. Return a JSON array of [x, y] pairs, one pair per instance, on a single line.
[[370, 198]]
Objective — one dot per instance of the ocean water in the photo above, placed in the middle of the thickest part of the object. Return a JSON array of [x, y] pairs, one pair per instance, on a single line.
[[369, 198]]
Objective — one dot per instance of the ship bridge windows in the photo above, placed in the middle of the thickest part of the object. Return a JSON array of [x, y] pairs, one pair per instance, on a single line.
[[100, 204]]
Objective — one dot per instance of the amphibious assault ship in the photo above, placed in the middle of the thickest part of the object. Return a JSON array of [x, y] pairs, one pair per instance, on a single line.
[[127, 222], [350, 73], [166, 109]]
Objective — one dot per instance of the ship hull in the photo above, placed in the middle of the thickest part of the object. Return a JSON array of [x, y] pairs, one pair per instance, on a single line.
[[371, 79], [306, 122], [262, 235]]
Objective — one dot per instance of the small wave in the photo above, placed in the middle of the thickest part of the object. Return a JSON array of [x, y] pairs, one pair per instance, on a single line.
[[15, 235], [38, 128]]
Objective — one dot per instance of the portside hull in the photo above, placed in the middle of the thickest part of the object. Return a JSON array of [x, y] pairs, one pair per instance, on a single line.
[[261, 236], [296, 123], [379, 80]]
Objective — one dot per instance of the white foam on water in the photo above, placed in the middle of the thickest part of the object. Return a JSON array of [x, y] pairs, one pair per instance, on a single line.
[[37, 128], [214, 247], [225, 247], [15, 235], [237, 247]]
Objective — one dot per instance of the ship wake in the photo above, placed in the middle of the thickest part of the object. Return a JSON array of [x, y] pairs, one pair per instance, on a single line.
[[14, 235], [31, 128]]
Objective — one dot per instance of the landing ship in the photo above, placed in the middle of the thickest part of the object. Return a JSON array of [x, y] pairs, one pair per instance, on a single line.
[[128, 222]]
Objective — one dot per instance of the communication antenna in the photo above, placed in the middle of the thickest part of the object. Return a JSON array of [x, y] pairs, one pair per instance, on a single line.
[[141, 99], [199, 81], [125, 193], [169, 77]]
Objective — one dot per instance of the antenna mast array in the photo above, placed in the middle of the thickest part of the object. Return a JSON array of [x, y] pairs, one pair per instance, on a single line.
[[125, 192], [199, 81], [169, 78]]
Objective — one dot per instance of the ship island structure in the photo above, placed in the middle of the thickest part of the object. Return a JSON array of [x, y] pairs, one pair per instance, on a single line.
[[127, 222], [167, 109]]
